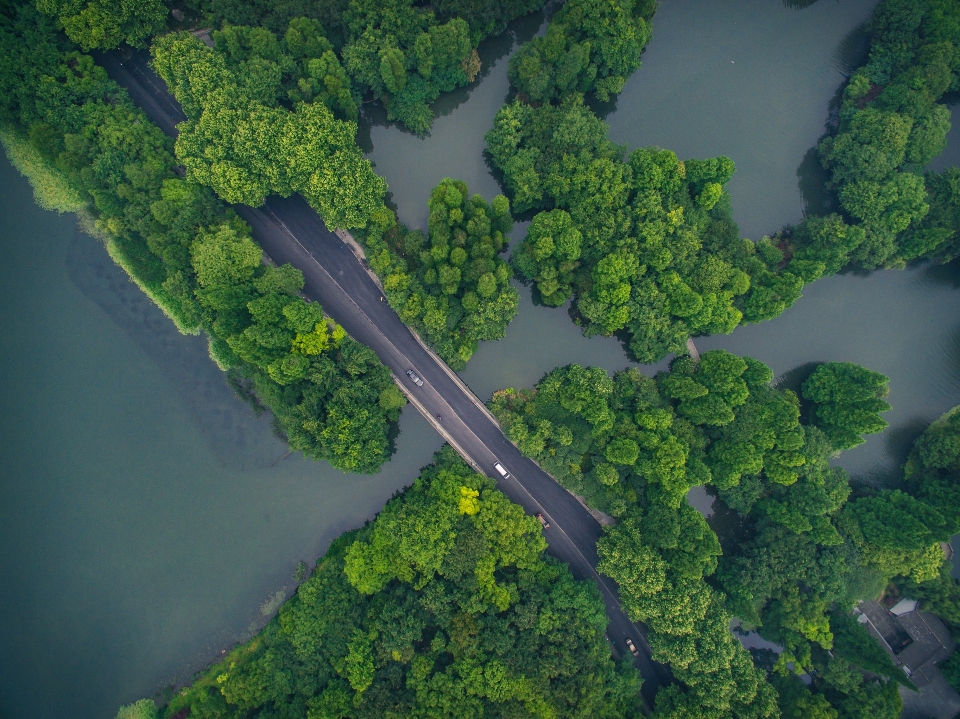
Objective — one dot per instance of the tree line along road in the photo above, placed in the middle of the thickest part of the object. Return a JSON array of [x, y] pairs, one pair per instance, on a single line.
[[290, 231]]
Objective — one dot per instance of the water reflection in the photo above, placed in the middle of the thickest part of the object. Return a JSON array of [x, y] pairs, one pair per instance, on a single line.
[[818, 200], [239, 438], [853, 50]]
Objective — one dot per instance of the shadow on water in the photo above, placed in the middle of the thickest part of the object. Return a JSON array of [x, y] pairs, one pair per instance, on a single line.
[[946, 275], [853, 50], [793, 379], [731, 528], [898, 442], [239, 437], [812, 178], [799, 4], [818, 200]]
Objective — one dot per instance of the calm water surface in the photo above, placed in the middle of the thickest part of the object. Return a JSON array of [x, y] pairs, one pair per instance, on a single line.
[[146, 513]]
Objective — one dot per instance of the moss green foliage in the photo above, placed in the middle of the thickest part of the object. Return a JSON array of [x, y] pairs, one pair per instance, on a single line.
[[852, 642], [646, 244], [618, 440], [101, 24], [590, 46], [804, 554], [241, 138], [890, 125], [933, 469], [398, 51], [857, 699], [143, 709], [451, 287], [898, 534], [848, 400], [51, 190], [550, 255], [331, 395], [932, 476], [659, 558], [441, 607], [797, 587], [189, 252]]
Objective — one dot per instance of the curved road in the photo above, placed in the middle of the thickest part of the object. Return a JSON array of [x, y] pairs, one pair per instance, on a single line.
[[289, 231]]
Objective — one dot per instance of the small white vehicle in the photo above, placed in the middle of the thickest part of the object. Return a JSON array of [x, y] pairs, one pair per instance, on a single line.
[[415, 377], [503, 473]]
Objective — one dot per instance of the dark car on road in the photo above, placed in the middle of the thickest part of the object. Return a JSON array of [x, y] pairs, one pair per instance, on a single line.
[[543, 521]]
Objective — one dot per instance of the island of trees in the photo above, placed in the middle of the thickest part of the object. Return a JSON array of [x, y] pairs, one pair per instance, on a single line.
[[809, 545], [646, 244]]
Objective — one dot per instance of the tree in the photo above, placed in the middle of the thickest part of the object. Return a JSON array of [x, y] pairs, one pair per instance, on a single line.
[[933, 470], [897, 534], [589, 46], [99, 25], [143, 709], [550, 255], [240, 143], [848, 402], [452, 287]]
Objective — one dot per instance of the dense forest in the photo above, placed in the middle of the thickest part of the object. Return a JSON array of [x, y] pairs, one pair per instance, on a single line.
[[398, 52], [646, 244], [889, 125], [444, 606], [88, 149], [809, 545], [451, 287], [278, 115]]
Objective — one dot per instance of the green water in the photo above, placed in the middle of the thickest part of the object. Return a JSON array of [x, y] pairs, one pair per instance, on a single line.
[[146, 514]]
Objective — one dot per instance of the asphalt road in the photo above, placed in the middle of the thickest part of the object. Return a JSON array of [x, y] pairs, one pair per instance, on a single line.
[[289, 231]]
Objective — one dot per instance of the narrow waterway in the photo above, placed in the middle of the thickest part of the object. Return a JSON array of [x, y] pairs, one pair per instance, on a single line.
[[146, 514]]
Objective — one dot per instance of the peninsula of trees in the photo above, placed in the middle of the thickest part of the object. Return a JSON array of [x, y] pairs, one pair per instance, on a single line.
[[808, 548], [444, 606]]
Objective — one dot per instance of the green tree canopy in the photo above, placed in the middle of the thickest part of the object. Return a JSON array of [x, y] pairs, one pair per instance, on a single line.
[[848, 400], [101, 25], [239, 141]]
